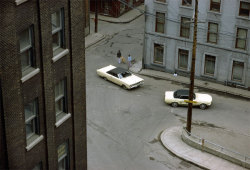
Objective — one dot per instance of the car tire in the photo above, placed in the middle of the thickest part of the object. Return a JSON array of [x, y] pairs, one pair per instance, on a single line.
[[105, 78], [124, 87], [174, 104], [203, 106]]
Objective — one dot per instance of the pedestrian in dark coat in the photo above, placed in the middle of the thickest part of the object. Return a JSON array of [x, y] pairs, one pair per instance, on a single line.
[[119, 56]]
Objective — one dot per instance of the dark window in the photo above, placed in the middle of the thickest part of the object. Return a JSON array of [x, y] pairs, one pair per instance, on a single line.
[[241, 38], [184, 97], [26, 42], [185, 27], [209, 65], [31, 119], [63, 156], [60, 99], [57, 22], [158, 53], [215, 5], [183, 59], [237, 71], [244, 9], [187, 2], [212, 33], [160, 22]]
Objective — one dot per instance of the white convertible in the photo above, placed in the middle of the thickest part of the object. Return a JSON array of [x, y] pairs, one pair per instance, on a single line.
[[180, 97], [120, 76]]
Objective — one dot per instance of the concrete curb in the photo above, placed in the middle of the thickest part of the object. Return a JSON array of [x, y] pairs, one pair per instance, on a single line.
[[172, 141], [179, 155], [94, 42]]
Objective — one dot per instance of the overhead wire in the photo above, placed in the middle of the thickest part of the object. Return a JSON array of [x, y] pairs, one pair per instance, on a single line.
[[176, 21]]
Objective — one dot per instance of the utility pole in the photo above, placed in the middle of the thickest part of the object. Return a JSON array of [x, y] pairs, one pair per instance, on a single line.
[[96, 16], [191, 87]]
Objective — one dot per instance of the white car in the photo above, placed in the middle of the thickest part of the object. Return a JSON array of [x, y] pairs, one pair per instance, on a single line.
[[180, 97], [120, 76]]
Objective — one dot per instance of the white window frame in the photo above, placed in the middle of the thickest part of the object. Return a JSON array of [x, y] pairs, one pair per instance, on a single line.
[[29, 50], [34, 118], [58, 30]]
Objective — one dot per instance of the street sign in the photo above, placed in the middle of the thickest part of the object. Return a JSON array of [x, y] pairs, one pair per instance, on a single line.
[[189, 101]]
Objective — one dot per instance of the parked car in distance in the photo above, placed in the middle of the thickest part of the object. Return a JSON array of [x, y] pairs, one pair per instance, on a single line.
[[180, 97], [120, 76]]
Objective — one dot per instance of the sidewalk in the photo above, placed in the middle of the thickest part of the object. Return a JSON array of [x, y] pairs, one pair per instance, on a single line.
[[198, 83], [171, 139], [125, 18]]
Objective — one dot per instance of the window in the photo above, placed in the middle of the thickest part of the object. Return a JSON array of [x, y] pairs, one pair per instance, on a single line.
[[26, 50], [209, 65], [187, 2], [160, 22], [63, 156], [183, 59], [158, 53], [237, 72], [57, 19], [185, 27], [161, 1], [244, 9], [60, 99], [241, 38], [215, 5], [31, 119], [212, 34]]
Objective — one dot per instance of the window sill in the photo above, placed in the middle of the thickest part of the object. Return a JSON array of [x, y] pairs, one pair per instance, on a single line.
[[214, 12], [30, 75], [158, 2], [65, 117], [187, 7], [243, 18], [33, 141], [208, 77], [18, 2], [59, 53]]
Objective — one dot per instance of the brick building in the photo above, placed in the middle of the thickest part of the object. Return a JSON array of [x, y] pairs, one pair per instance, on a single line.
[[42, 85], [114, 8]]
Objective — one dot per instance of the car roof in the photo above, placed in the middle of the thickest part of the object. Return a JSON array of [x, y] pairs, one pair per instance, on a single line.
[[118, 70], [182, 92]]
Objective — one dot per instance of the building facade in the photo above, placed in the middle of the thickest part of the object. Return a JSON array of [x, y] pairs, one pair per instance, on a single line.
[[223, 45], [114, 8], [87, 18], [42, 85]]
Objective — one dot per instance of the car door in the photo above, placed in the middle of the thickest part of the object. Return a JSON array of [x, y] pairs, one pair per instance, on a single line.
[[183, 100]]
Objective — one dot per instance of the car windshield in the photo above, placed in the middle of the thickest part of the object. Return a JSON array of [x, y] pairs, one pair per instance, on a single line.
[[126, 74]]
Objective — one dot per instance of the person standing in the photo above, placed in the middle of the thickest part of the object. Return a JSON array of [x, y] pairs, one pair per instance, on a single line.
[[119, 56], [129, 60]]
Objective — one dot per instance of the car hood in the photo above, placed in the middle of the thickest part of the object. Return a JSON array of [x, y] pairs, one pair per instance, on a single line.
[[203, 97], [169, 95], [133, 79]]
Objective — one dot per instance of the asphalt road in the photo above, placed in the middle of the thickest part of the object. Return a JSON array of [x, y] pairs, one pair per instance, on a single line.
[[123, 127]]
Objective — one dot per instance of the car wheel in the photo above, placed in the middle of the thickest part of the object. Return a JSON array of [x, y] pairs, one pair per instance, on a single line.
[[105, 78], [174, 104], [203, 106], [124, 87]]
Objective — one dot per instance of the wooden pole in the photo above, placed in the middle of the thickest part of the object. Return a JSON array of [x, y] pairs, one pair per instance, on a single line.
[[191, 87]]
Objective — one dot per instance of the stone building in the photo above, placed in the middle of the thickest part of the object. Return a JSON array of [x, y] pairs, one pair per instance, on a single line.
[[114, 8], [223, 45], [42, 85]]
